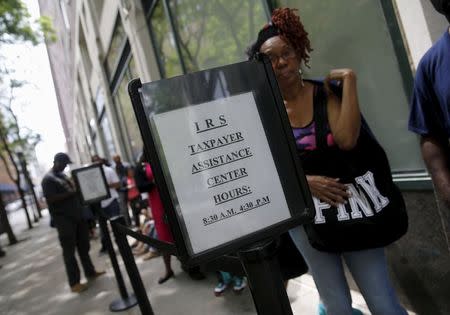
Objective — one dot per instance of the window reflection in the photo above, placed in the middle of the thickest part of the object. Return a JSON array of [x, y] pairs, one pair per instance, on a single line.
[[111, 148], [216, 33], [211, 33], [122, 101], [164, 43]]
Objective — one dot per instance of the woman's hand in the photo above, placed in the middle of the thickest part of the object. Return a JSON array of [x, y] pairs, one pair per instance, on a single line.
[[328, 189], [343, 76]]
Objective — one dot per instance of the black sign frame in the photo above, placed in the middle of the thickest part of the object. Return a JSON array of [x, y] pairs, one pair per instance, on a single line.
[[75, 174], [282, 145]]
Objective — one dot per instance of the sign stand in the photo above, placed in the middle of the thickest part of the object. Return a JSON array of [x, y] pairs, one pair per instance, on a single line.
[[91, 183], [125, 301], [264, 278], [130, 265], [229, 178]]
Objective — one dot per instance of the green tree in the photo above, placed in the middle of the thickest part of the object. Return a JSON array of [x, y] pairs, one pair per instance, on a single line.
[[16, 27], [15, 24], [13, 142]]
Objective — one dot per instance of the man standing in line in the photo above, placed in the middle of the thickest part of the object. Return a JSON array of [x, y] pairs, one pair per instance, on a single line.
[[66, 211], [109, 206], [430, 108], [122, 172]]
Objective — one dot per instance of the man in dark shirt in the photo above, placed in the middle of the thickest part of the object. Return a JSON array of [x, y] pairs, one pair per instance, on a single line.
[[430, 108], [66, 211]]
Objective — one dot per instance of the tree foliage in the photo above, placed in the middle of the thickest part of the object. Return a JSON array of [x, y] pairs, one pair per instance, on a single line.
[[16, 24], [209, 33]]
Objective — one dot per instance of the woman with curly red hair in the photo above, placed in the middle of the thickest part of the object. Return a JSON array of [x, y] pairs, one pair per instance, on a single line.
[[285, 42]]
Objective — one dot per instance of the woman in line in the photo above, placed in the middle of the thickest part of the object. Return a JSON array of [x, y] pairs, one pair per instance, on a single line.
[[285, 42], [157, 209]]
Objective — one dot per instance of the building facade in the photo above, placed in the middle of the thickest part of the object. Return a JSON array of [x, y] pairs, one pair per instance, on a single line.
[[103, 44]]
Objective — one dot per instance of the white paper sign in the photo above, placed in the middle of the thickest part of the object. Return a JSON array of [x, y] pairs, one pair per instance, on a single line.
[[222, 170], [91, 183]]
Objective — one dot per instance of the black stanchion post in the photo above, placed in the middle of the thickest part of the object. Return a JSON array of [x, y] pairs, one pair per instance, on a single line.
[[265, 280], [125, 301], [130, 265]]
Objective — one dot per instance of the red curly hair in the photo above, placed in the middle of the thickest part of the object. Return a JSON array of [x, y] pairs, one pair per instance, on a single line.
[[286, 24], [292, 31]]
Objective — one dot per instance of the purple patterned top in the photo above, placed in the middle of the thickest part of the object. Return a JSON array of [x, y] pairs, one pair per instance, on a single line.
[[305, 138]]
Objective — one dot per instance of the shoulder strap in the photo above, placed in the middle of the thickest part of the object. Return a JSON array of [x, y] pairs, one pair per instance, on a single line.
[[320, 116]]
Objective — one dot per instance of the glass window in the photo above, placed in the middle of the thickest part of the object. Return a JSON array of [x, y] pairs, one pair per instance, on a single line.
[[118, 41], [125, 108], [110, 147], [100, 100], [164, 42], [216, 33], [86, 59], [370, 52], [97, 144], [211, 33]]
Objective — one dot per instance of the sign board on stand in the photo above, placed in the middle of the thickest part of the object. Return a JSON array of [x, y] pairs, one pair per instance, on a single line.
[[224, 158], [91, 183]]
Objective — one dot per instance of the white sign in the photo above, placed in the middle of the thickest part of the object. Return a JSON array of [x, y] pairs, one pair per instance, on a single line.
[[91, 183], [222, 170]]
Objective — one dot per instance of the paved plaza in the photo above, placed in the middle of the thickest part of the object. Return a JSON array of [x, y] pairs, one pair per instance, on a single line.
[[33, 281]]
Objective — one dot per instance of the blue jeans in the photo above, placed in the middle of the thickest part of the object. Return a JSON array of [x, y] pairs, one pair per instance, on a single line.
[[368, 268], [111, 210]]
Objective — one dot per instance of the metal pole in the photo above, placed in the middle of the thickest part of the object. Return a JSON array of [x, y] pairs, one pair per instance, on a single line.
[[126, 301], [22, 196], [23, 163], [264, 278], [24, 206], [130, 265]]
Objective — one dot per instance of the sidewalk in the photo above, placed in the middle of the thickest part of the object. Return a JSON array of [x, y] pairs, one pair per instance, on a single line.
[[33, 281]]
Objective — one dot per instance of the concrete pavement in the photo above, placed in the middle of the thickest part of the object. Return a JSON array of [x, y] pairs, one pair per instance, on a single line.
[[33, 281]]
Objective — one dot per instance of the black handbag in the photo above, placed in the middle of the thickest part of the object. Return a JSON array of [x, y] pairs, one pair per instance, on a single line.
[[375, 215], [143, 184]]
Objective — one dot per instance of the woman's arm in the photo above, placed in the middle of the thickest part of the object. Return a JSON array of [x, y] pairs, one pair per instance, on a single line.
[[343, 114]]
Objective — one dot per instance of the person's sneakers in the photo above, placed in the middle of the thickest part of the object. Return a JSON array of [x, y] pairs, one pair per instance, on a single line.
[[79, 287], [96, 275], [220, 288], [239, 284], [323, 311]]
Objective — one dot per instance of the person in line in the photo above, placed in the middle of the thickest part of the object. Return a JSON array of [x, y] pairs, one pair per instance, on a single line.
[[286, 44], [73, 232], [121, 169], [110, 206], [148, 229], [430, 109], [226, 279], [134, 197], [146, 184]]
